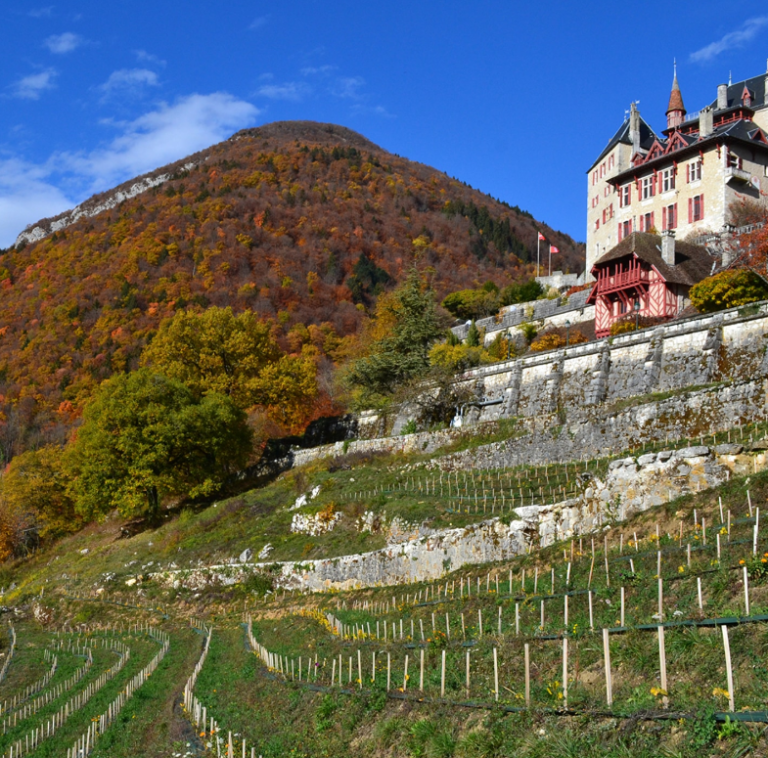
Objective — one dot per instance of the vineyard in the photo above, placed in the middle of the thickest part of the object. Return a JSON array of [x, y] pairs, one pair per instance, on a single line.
[[644, 637]]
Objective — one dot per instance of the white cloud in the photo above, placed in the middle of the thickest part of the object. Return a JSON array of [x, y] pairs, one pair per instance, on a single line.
[[288, 91], [348, 87], [29, 192], [317, 70], [162, 136], [142, 56], [132, 79], [30, 87], [729, 41], [257, 23], [45, 12], [63, 43], [26, 196]]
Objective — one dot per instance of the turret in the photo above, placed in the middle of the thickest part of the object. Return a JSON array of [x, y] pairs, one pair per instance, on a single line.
[[676, 110]]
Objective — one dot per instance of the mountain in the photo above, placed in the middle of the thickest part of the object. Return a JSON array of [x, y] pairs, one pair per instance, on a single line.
[[304, 223]]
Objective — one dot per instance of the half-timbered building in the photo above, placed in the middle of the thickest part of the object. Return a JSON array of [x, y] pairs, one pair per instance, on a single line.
[[654, 271]]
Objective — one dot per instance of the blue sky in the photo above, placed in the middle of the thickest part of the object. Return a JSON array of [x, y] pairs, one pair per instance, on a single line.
[[516, 99]]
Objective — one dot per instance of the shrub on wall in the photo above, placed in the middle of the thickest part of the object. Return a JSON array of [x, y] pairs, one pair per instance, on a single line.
[[728, 289], [554, 340]]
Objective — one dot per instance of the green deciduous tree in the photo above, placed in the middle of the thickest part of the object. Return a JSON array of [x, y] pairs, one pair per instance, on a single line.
[[728, 289], [146, 437], [236, 356]]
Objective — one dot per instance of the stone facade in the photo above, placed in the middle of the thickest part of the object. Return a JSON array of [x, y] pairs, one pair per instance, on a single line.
[[734, 164]]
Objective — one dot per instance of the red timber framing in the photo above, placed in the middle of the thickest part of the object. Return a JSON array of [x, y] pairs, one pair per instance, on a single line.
[[620, 284]]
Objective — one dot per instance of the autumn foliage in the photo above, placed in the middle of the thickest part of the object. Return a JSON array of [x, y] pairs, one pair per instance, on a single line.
[[305, 225]]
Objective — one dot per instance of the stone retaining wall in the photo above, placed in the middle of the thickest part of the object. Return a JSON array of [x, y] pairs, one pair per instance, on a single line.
[[631, 486]]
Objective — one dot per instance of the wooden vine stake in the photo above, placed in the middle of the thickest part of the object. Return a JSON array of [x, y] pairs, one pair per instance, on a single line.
[[496, 672], [698, 587], [728, 667], [591, 618], [466, 672], [661, 599], [527, 674], [421, 670], [663, 665], [607, 659], [442, 676], [746, 590], [622, 607], [565, 672], [405, 674], [360, 669]]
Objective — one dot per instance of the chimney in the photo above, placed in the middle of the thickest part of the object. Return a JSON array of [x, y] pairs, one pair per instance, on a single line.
[[668, 247], [634, 128], [705, 122], [722, 96]]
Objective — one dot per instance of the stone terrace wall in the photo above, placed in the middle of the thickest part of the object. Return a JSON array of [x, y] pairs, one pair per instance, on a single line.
[[696, 351], [601, 432], [631, 486]]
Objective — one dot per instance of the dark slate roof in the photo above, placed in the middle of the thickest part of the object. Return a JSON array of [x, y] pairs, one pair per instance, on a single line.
[[742, 130], [756, 85], [647, 136], [692, 263]]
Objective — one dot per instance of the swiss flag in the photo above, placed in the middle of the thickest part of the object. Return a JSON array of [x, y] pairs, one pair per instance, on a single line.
[[541, 237], [553, 249]]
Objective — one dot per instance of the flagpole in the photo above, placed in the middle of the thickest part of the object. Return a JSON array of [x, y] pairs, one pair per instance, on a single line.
[[550, 259], [538, 247]]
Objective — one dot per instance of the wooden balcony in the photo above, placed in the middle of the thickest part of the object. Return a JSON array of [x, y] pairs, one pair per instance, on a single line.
[[622, 280]]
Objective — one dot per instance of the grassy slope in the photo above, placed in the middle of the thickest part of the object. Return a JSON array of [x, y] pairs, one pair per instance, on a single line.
[[294, 721]]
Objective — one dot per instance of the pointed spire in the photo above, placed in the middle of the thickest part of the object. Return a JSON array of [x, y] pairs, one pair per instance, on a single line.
[[675, 110], [730, 80]]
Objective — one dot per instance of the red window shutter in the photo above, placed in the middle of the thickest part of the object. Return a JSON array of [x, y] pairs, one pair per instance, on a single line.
[[629, 195], [653, 223], [674, 216], [688, 173], [619, 234], [690, 209], [663, 219], [702, 205]]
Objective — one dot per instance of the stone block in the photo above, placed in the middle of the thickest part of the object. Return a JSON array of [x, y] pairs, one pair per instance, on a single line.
[[647, 459], [729, 448], [695, 451], [664, 455]]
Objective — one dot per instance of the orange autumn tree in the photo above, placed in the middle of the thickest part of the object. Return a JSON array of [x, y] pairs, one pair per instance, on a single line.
[[236, 356]]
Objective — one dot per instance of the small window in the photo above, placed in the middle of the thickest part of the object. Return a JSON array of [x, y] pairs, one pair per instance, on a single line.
[[667, 179], [694, 171], [734, 161], [695, 208], [647, 188], [625, 196], [669, 217]]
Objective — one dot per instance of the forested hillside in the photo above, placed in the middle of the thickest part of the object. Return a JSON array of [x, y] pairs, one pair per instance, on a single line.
[[302, 223]]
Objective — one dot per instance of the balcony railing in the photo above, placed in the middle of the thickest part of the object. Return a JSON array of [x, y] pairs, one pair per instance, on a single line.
[[623, 279]]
